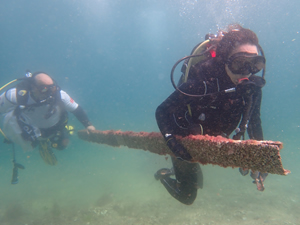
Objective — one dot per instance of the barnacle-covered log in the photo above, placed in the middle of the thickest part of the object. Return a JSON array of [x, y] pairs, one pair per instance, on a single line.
[[256, 155]]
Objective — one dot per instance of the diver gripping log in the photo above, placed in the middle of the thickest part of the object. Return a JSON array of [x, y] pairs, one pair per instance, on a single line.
[[261, 156]]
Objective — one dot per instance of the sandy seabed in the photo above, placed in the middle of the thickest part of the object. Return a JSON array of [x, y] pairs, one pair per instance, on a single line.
[[110, 186]]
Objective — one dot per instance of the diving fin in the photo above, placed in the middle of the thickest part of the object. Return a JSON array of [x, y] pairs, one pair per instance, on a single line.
[[46, 153], [15, 179], [17, 166]]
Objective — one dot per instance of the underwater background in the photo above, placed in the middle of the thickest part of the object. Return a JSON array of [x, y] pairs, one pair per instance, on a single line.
[[114, 58]]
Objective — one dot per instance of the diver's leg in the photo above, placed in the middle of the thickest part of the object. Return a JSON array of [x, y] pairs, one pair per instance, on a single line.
[[188, 179], [164, 172], [190, 173], [183, 192]]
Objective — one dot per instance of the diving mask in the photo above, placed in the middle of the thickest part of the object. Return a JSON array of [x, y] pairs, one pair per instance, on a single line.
[[47, 89], [44, 93], [244, 63]]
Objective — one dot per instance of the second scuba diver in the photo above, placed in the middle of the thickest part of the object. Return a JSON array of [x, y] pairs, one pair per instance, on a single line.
[[36, 114], [216, 96]]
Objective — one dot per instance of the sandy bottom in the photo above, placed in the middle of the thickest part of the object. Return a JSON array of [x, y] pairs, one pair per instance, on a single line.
[[101, 185]]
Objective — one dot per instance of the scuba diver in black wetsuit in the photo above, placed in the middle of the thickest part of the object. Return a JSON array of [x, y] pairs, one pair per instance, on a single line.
[[218, 93]]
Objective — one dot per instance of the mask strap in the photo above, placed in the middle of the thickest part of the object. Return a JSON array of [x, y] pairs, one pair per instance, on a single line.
[[262, 54]]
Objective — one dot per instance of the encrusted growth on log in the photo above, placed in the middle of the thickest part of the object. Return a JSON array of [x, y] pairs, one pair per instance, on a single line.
[[256, 155]]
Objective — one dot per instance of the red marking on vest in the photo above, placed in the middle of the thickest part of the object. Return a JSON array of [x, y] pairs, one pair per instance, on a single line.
[[71, 100], [213, 53]]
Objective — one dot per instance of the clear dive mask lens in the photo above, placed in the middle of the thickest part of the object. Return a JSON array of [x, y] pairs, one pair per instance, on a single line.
[[45, 93], [49, 89], [246, 63]]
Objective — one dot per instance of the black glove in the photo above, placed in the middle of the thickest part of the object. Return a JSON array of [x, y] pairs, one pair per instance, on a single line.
[[178, 149]]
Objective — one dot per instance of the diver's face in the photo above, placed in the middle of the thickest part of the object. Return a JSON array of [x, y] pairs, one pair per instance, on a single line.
[[37, 94], [245, 48], [43, 92]]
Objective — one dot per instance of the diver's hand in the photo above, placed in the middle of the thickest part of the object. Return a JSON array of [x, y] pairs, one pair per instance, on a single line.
[[178, 149], [90, 128]]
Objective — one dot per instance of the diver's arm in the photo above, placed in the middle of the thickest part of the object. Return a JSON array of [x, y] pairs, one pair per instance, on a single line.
[[165, 121], [254, 128], [82, 117], [166, 110], [71, 106], [2, 103], [8, 101], [255, 132]]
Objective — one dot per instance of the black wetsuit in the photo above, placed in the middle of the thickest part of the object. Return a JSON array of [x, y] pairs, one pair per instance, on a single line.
[[217, 114]]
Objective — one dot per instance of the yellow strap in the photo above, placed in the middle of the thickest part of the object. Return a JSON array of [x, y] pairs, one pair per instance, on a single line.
[[3, 134], [189, 109], [4, 86], [169, 140], [201, 129]]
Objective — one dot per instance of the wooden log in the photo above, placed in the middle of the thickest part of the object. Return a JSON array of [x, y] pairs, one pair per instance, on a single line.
[[260, 156]]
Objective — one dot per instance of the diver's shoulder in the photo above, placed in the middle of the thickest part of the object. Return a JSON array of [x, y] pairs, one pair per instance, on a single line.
[[11, 95]]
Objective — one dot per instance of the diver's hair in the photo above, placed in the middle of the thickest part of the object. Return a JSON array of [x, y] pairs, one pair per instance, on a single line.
[[235, 36]]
